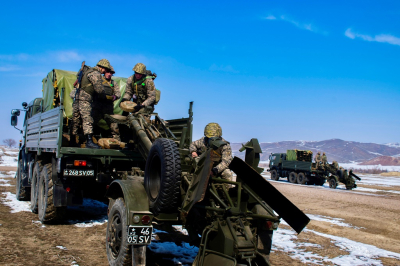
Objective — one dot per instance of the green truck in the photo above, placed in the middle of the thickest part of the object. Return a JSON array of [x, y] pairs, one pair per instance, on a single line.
[[153, 181], [297, 167]]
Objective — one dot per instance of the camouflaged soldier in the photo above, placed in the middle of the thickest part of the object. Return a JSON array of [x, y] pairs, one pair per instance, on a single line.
[[222, 156], [324, 159], [103, 106], [140, 87], [91, 83], [318, 159]]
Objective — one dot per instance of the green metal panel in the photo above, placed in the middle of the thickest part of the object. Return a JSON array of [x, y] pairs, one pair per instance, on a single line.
[[296, 165]]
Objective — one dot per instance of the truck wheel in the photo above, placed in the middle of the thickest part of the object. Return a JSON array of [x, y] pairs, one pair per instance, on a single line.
[[332, 183], [301, 178], [274, 175], [293, 177], [22, 193], [162, 176], [37, 168], [46, 209], [117, 247]]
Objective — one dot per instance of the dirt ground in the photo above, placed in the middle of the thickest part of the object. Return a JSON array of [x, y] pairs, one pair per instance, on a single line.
[[375, 219]]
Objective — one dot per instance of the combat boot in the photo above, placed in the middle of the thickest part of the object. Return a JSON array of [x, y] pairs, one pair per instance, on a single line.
[[90, 144]]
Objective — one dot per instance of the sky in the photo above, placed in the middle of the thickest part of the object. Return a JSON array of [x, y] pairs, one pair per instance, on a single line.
[[272, 70]]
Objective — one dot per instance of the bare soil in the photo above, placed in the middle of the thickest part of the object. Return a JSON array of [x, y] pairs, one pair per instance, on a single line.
[[24, 241]]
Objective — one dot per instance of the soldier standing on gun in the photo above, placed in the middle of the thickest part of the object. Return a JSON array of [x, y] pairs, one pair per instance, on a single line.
[[91, 83], [103, 106], [140, 87], [223, 154]]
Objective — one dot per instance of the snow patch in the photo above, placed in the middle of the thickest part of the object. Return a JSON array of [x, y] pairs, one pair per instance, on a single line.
[[11, 201], [335, 221]]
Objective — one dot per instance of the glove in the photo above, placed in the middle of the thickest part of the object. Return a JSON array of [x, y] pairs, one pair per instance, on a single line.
[[214, 171], [137, 108]]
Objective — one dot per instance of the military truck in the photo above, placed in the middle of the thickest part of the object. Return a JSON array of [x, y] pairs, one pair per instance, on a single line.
[[235, 219], [297, 167], [54, 175]]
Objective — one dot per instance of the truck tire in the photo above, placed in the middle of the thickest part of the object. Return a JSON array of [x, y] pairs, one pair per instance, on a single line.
[[292, 177], [46, 210], [274, 175], [301, 178], [332, 183], [162, 176], [37, 168], [22, 193], [117, 248]]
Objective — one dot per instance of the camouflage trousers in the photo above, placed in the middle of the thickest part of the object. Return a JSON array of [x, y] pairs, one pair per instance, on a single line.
[[82, 113], [102, 108]]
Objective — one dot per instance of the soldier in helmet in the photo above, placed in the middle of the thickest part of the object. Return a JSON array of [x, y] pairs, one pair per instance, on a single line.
[[324, 159], [223, 154], [318, 159], [140, 87], [91, 84], [102, 106]]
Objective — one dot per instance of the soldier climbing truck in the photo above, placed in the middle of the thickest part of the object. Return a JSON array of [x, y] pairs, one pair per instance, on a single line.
[[297, 167], [152, 181]]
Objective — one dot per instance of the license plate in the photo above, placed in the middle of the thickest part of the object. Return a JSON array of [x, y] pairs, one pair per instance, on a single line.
[[75, 172], [139, 235]]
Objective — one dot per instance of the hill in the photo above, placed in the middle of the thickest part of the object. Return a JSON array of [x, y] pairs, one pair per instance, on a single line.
[[335, 149]]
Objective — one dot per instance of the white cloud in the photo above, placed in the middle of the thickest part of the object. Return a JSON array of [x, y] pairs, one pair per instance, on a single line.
[[300, 25], [385, 38], [6, 68], [223, 68]]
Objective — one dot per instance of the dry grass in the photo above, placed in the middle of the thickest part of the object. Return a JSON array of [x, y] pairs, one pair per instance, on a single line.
[[391, 174]]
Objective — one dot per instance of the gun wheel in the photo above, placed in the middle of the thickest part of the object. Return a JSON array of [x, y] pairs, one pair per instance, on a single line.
[[332, 183], [163, 176]]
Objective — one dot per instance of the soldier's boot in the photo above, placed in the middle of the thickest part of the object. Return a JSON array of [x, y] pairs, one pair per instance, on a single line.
[[90, 144]]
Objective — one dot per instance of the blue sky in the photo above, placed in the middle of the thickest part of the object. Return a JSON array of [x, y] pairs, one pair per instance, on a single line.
[[274, 70]]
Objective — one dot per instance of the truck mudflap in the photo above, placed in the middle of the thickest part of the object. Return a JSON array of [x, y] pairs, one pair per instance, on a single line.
[[278, 202], [134, 194]]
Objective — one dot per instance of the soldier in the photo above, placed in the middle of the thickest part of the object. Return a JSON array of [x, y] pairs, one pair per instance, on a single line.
[[140, 87], [324, 159], [318, 159], [91, 83], [102, 106], [223, 154]]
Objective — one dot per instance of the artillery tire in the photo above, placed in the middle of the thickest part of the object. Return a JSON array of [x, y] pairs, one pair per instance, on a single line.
[[301, 178], [37, 168], [46, 210], [162, 176], [274, 175], [22, 193], [117, 247], [332, 183], [292, 177]]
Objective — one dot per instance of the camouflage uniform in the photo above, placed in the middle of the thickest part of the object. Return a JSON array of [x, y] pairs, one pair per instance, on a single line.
[[106, 106], [222, 159], [324, 159], [318, 159], [85, 98], [143, 91]]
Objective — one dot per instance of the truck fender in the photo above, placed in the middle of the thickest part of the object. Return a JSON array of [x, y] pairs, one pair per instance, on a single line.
[[133, 193]]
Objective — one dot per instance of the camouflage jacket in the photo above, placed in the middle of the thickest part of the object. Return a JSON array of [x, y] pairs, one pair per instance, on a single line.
[[324, 159], [114, 86], [96, 79], [224, 153], [146, 94]]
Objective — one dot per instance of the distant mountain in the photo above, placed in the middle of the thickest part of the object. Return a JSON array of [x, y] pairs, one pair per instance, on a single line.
[[335, 149], [383, 160]]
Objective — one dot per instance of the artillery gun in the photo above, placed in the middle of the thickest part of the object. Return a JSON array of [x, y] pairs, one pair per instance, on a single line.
[[337, 174], [235, 219]]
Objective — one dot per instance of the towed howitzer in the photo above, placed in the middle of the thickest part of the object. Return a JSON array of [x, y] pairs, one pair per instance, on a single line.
[[235, 219]]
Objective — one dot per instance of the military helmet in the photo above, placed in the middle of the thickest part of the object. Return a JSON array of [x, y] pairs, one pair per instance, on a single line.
[[139, 68], [318, 153], [212, 130], [323, 153], [112, 70], [104, 63]]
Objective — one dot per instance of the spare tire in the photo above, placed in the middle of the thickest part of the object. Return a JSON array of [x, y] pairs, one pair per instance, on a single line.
[[162, 176]]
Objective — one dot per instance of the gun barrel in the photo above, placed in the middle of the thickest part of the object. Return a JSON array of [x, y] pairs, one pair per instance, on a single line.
[[354, 175]]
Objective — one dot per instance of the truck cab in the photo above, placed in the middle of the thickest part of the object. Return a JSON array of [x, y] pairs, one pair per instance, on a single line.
[[275, 159]]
